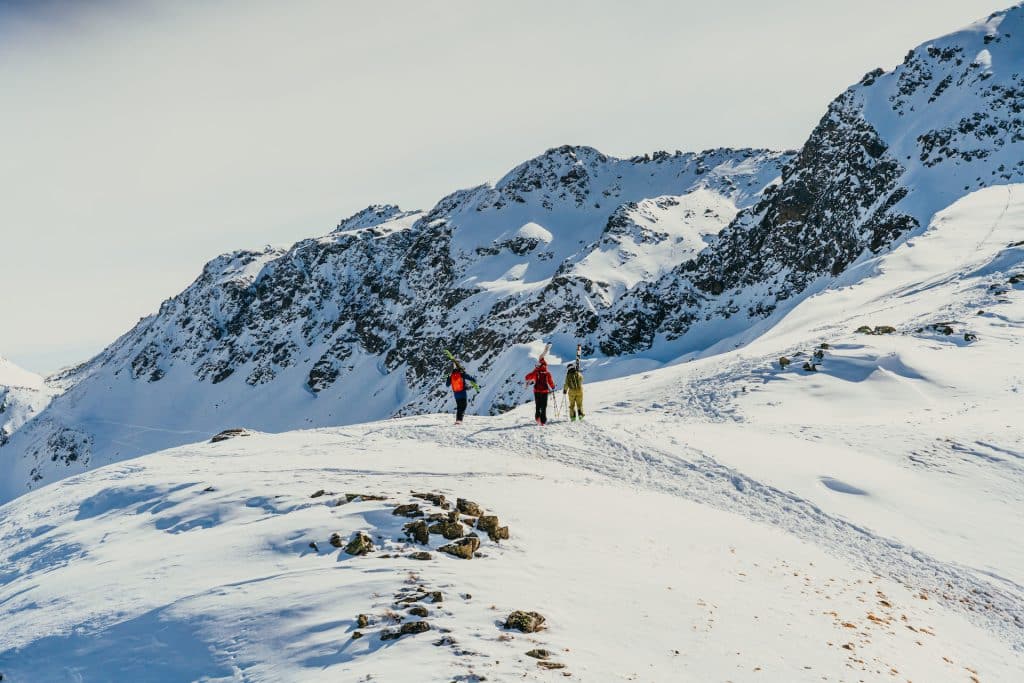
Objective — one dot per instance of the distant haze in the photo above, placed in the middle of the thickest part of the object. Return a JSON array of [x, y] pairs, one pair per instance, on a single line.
[[140, 139]]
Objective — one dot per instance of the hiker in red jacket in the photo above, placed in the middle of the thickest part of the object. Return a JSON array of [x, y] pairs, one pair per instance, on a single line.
[[543, 384]]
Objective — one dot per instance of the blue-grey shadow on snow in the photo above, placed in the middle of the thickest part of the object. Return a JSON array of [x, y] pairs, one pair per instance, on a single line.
[[150, 647], [121, 497], [840, 486]]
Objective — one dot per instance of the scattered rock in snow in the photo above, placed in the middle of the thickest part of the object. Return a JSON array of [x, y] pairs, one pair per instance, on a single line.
[[420, 555], [489, 523], [878, 329], [527, 622], [349, 497], [464, 547], [314, 546], [229, 434], [825, 345], [810, 367], [360, 544], [409, 628], [970, 337], [336, 540], [408, 510], [539, 653], [469, 521], [1017, 279], [356, 635], [418, 611], [417, 531], [784, 362], [435, 498], [468, 507], [318, 493], [362, 621], [448, 528], [550, 665]]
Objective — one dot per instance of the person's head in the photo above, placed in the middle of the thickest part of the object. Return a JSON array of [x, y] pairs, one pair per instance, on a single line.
[[542, 363]]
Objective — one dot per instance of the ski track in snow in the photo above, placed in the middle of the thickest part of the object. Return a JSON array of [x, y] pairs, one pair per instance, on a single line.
[[627, 456]]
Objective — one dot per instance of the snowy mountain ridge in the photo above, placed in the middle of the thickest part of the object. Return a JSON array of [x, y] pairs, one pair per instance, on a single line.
[[644, 260]]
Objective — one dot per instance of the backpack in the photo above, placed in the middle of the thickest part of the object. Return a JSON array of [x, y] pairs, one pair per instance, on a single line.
[[458, 384]]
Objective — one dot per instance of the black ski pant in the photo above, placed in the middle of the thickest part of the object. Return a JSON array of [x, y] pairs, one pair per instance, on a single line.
[[460, 407], [542, 407]]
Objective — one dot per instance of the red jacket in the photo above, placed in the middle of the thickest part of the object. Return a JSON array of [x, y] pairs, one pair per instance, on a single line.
[[543, 382]]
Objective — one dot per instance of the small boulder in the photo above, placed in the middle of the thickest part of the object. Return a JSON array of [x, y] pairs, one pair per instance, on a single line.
[[362, 621], [420, 555], [1017, 279], [229, 434], [318, 493], [825, 345], [418, 611], [314, 546], [810, 367], [526, 622], [360, 544], [468, 507], [435, 498], [784, 362], [489, 524], [819, 354], [865, 329], [336, 540], [464, 547], [885, 329], [435, 596], [970, 337], [448, 528], [469, 521], [409, 510], [356, 635], [349, 497], [407, 629], [417, 531], [550, 665], [539, 653]]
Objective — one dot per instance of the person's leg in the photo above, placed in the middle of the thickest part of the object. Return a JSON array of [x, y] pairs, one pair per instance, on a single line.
[[572, 408], [579, 403], [536, 411], [542, 400], [460, 406]]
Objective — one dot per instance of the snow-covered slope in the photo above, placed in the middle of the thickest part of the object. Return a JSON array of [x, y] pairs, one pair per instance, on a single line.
[[22, 395], [720, 519]]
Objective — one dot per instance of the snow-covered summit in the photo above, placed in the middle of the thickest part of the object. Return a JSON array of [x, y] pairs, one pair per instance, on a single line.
[[22, 395]]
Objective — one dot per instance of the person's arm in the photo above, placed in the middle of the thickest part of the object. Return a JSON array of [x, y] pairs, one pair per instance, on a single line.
[[448, 381], [531, 377]]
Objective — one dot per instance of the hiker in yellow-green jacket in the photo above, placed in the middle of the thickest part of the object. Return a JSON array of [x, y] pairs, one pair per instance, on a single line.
[[573, 388]]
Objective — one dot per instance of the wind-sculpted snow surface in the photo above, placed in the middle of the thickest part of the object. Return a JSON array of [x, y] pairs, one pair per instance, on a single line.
[[643, 260]]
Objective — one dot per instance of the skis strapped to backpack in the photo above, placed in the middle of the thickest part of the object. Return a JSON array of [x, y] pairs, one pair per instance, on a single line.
[[458, 366]]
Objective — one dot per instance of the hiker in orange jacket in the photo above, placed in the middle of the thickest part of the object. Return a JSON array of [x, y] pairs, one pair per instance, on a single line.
[[457, 380], [543, 384]]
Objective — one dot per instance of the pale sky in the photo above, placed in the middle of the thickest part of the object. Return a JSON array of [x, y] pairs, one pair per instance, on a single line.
[[139, 139]]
